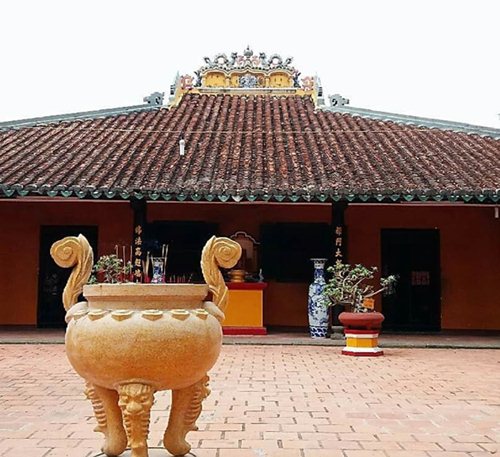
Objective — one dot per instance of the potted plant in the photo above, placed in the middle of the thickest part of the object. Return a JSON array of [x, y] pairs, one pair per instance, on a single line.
[[107, 269], [349, 287], [127, 272]]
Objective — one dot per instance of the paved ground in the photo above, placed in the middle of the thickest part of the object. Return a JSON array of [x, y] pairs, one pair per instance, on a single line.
[[450, 339], [278, 401]]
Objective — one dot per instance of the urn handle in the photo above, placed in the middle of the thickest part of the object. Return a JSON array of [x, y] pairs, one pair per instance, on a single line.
[[217, 253], [73, 251]]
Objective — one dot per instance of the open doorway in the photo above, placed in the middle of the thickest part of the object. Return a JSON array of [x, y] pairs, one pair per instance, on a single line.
[[413, 255], [52, 278]]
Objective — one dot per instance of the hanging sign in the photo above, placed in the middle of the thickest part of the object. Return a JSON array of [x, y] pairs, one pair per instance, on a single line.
[[369, 303], [339, 244], [137, 248]]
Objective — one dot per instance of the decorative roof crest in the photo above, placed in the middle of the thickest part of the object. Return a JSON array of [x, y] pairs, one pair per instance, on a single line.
[[248, 59], [156, 98], [338, 100], [246, 73]]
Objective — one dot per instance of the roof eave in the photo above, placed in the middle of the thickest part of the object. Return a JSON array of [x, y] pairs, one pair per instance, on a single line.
[[84, 115], [440, 124], [478, 196]]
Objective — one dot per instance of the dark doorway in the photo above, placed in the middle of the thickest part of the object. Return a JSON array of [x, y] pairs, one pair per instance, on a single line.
[[52, 279], [285, 254], [185, 240], [413, 255]]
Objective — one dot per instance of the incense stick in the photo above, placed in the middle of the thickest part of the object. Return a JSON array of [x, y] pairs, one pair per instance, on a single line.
[[146, 270], [165, 260]]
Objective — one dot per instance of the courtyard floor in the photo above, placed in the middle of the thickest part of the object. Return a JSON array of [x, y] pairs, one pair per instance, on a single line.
[[277, 401], [444, 339]]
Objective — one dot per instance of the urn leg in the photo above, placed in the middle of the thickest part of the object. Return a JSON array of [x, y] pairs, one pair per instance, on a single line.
[[185, 410], [109, 419], [135, 401], [97, 406]]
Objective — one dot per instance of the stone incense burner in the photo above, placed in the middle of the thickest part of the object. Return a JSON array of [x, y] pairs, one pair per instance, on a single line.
[[130, 340]]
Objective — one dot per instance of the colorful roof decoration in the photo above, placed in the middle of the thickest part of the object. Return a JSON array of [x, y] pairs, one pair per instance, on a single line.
[[252, 147], [248, 60], [246, 73]]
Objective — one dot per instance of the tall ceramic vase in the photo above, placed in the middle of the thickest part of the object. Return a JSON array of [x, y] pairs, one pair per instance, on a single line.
[[318, 312]]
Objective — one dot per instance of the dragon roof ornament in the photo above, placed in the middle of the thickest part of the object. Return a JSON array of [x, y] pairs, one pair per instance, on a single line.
[[248, 60]]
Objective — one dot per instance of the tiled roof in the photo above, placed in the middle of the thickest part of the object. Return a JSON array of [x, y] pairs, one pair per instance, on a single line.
[[415, 120], [246, 148]]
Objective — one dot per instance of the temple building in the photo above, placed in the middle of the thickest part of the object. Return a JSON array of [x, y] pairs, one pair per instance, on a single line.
[[247, 147]]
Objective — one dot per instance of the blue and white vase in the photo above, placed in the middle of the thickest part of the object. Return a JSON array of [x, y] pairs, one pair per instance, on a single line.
[[317, 310]]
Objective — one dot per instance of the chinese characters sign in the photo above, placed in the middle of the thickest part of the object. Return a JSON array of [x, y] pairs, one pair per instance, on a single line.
[[420, 278], [339, 244], [137, 248]]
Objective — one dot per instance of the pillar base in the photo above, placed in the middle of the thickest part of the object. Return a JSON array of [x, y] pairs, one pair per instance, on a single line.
[[337, 332]]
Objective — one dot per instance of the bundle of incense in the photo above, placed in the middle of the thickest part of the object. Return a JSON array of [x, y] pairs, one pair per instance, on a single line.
[[145, 265], [124, 261], [164, 254], [116, 250]]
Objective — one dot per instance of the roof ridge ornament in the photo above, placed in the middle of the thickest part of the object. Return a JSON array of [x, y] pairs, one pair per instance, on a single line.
[[248, 59], [338, 100], [247, 73], [156, 98]]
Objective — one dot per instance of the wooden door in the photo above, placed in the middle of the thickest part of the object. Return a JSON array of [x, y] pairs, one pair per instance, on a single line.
[[412, 255]]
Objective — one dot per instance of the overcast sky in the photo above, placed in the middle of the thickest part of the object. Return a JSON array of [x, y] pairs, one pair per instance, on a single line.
[[431, 58]]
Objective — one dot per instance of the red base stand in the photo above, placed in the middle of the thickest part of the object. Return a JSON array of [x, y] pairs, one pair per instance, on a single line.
[[361, 343]]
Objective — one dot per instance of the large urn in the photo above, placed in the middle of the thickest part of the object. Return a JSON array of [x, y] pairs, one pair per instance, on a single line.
[[137, 331], [129, 341]]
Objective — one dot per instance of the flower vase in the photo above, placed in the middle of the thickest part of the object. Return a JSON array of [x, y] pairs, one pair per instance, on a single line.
[[317, 309], [158, 270]]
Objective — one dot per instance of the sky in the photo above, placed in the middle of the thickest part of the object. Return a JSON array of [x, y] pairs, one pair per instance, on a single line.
[[429, 58]]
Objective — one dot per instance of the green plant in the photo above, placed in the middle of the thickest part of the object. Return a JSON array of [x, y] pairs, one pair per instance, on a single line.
[[108, 269], [347, 286], [127, 269]]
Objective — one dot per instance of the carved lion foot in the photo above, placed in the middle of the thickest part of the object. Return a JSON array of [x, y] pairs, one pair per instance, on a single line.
[[135, 401], [186, 408], [109, 418]]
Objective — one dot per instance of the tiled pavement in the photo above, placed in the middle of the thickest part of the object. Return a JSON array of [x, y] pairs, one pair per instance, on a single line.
[[450, 339], [278, 401]]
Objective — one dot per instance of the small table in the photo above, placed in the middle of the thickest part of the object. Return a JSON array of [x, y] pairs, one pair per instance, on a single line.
[[244, 313]]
